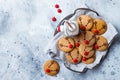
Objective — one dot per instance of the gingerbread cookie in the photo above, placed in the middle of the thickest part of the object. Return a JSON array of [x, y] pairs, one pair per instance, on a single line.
[[86, 51], [74, 56], [77, 41], [99, 26], [87, 38], [51, 67], [85, 22], [66, 44], [101, 44], [88, 60]]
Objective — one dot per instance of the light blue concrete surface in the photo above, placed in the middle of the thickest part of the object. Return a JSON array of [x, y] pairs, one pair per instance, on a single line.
[[26, 28]]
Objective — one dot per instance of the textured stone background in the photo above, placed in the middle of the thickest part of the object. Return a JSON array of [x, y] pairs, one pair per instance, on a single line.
[[26, 28]]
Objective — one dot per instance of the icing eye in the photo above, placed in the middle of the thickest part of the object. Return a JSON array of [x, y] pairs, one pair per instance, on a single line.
[[86, 41], [75, 60], [47, 70], [103, 26]]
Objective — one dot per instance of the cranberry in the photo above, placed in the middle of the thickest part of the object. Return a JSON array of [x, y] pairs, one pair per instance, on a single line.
[[59, 10], [96, 46], [54, 19], [56, 6], [75, 60], [85, 53], [86, 42], [77, 44], [83, 27], [47, 70], [84, 59], [70, 46]]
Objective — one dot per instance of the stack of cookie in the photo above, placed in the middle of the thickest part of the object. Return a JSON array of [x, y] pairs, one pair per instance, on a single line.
[[82, 47]]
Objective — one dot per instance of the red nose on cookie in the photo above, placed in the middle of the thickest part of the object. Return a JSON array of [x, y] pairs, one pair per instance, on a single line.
[[77, 44], [86, 42], [70, 46], [47, 70], [75, 60], [84, 59], [58, 29], [96, 46], [83, 27], [96, 31], [85, 53]]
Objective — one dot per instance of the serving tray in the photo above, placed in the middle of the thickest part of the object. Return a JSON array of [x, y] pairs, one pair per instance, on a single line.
[[86, 10]]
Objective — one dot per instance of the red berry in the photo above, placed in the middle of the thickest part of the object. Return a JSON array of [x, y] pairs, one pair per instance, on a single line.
[[96, 31], [96, 46], [70, 46], [84, 59], [59, 10], [56, 6], [47, 70], [75, 60], [58, 29], [86, 42], [85, 53], [83, 27], [53, 19], [77, 44]]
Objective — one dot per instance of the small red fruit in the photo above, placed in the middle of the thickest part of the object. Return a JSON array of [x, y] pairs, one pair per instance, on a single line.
[[47, 70], [58, 29], [56, 6], [85, 53], [77, 44], [54, 19], [96, 31], [96, 46], [86, 42], [84, 59], [59, 10], [70, 46], [75, 60], [83, 27]]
